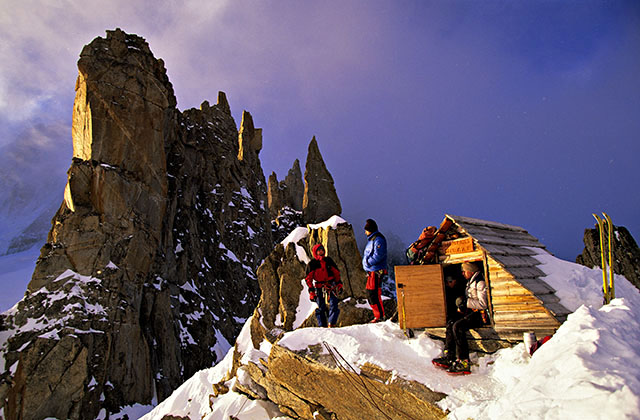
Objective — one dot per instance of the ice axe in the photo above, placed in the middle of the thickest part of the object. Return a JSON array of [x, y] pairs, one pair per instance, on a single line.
[[403, 320]]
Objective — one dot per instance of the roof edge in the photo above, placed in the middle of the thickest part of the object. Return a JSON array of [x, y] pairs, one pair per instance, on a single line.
[[481, 222]]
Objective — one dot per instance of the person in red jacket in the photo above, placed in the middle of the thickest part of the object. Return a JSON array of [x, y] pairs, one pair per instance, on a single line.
[[323, 280]]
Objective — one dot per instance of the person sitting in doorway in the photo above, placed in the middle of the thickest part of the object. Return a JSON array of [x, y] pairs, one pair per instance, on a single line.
[[470, 307], [454, 288]]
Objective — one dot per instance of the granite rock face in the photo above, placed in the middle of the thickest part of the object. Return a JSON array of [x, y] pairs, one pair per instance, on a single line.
[[147, 275], [626, 254], [312, 381], [287, 193], [320, 200], [294, 203], [285, 222]]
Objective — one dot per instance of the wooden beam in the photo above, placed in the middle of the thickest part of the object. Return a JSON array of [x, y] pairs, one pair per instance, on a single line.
[[521, 317], [519, 299], [460, 258]]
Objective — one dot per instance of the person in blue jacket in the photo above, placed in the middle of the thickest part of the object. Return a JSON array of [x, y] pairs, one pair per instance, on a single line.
[[374, 263]]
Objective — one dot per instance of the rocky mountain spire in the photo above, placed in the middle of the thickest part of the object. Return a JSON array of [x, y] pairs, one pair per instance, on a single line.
[[320, 200], [286, 193], [148, 273], [295, 186], [275, 199], [249, 140]]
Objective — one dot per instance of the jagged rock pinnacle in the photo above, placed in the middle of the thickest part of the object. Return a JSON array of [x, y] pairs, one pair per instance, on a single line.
[[286, 193], [295, 186], [320, 200], [249, 139], [149, 269]]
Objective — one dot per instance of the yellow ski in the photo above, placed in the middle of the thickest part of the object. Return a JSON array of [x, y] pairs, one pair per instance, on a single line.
[[612, 293], [605, 287]]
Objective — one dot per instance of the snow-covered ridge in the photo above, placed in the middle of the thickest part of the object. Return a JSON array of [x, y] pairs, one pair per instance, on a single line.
[[587, 370], [577, 285], [300, 233]]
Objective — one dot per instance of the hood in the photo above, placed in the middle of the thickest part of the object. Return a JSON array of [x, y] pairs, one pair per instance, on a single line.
[[315, 249]]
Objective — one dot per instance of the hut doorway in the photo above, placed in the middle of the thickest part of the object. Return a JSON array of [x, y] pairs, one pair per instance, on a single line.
[[455, 284]]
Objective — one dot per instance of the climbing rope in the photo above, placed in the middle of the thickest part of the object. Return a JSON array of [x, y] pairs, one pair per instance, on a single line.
[[332, 352], [239, 410], [341, 362]]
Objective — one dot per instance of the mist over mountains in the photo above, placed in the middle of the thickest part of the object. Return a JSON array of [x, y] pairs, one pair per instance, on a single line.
[[32, 180]]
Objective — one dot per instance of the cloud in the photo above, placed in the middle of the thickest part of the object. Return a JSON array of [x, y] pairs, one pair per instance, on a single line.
[[534, 88], [41, 42]]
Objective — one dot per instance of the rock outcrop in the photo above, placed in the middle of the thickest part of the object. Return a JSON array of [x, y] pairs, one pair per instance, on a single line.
[[281, 279], [626, 254], [315, 384], [320, 199], [285, 202], [148, 272], [293, 203], [287, 193], [286, 221]]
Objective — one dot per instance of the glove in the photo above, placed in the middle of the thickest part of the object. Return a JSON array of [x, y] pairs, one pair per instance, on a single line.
[[312, 294], [461, 303]]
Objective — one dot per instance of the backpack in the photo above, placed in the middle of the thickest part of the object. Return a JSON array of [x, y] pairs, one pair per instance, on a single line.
[[414, 254]]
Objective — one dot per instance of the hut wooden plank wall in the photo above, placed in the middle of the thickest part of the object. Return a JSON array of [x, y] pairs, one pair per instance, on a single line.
[[519, 298]]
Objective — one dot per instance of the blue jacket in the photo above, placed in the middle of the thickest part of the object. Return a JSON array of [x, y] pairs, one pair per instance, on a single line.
[[375, 253]]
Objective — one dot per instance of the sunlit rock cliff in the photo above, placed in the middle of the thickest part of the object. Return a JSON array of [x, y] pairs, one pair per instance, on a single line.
[[148, 273]]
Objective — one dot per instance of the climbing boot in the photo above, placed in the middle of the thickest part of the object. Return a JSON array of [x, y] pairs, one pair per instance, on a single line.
[[460, 367], [442, 362]]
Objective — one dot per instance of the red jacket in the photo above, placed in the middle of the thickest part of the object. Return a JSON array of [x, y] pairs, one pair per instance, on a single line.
[[322, 271]]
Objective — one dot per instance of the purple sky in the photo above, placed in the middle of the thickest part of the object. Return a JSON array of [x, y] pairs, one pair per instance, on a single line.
[[525, 112]]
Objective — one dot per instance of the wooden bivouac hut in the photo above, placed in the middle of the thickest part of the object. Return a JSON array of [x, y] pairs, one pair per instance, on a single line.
[[519, 299]]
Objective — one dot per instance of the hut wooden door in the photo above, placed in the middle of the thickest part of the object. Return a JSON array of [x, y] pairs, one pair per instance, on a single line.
[[420, 292]]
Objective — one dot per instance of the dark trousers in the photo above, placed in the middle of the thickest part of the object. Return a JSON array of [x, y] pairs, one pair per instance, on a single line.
[[456, 339], [321, 311]]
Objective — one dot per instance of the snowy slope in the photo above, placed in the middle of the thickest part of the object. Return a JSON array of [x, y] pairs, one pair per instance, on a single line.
[[587, 370]]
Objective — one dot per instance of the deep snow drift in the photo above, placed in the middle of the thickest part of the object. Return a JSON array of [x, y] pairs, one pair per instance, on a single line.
[[589, 369]]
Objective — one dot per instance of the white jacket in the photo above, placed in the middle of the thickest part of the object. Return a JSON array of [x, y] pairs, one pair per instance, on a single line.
[[476, 292]]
